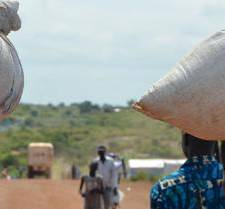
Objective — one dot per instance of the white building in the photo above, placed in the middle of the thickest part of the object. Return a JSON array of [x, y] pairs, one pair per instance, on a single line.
[[153, 167]]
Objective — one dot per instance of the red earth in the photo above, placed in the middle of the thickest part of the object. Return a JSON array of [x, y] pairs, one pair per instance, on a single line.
[[62, 194]]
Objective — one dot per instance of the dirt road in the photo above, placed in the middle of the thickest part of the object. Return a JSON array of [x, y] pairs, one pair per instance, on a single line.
[[55, 194]]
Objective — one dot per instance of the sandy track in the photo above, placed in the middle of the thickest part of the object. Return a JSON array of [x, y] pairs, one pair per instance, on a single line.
[[56, 194]]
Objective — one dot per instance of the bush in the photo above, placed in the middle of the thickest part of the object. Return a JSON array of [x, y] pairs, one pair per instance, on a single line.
[[34, 113], [9, 160], [107, 108], [87, 107], [154, 179], [140, 176]]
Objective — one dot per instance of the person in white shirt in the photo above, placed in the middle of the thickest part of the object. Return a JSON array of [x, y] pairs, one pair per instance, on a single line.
[[120, 166], [107, 170]]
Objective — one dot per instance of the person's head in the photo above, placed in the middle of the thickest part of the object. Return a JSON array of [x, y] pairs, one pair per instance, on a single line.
[[193, 146], [101, 150], [93, 168]]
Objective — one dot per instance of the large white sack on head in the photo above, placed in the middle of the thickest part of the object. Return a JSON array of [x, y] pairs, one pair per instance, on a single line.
[[11, 73], [11, 77], [9, 19], [192, 96]]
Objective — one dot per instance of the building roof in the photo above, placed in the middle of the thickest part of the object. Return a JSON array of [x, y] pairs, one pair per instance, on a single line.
[[175, 161], [40, 144], [153, 163]]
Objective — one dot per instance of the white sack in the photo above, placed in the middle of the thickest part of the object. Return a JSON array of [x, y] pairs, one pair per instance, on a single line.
[[9, 19], [11, 73], [117, 199], [192, 96]]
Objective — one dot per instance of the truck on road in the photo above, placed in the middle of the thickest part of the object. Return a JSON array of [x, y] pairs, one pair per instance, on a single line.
[[40, 159]]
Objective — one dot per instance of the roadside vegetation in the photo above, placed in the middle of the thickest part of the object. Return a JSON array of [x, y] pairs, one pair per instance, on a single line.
[[77, 129]]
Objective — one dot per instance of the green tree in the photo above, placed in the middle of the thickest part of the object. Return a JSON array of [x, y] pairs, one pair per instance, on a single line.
[[87, 107], [130, 102], [107, 108]]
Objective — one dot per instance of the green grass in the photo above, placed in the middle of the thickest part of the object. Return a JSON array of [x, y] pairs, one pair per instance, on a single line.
[[76, 135]]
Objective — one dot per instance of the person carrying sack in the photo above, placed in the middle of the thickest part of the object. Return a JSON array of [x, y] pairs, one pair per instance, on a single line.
[[198, 184], [120, 167]]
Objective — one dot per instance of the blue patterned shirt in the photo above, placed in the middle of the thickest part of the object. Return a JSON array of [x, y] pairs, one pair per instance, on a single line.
[[198, 184]]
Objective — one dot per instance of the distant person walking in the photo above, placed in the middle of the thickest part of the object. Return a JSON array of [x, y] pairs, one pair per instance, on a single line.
[[120, 167], [75, 171], [5, 174], [93, 191], [107, 171], [197, 184]]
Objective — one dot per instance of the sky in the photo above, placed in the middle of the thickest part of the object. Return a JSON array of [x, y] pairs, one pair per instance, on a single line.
[[106, 51]]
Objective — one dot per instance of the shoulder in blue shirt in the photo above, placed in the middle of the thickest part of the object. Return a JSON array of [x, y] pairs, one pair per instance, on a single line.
[[198, 184]]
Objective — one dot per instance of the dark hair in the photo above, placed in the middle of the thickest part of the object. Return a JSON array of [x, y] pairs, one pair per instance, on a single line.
[[101, 148], [194, 146], [93, 166]]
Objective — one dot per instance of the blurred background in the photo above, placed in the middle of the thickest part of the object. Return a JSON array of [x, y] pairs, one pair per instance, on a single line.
[[85, 62]]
